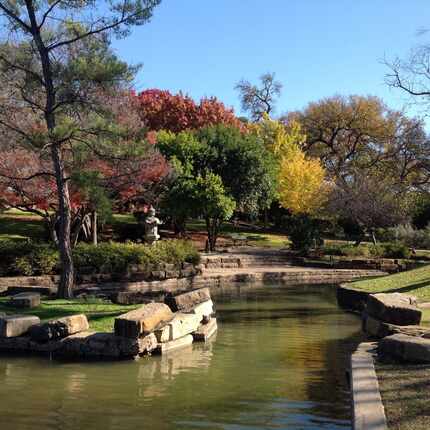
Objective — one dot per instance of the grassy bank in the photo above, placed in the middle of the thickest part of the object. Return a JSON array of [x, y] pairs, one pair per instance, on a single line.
[[101, 314], [415, 282]]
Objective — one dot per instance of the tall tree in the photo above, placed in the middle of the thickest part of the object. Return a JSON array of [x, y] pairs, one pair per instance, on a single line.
[[56, 61], [261, 99], [234, 167], [162, 110], [412, 75]]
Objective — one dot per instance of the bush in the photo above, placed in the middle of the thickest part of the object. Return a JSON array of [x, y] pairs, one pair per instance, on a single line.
[[406, 235], [27, 258], [396, 250], [347, 250], [117, 257], [386, 250], [304, 233]]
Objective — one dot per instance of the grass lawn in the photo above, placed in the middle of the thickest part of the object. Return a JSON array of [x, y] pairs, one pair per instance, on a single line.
[[404, 390], [101, 314], [19, 225], [255, 236], [415, 282]]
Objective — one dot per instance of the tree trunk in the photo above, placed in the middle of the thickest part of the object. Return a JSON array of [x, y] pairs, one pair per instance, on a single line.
[[65, 289], [94, 228], [212, 230]]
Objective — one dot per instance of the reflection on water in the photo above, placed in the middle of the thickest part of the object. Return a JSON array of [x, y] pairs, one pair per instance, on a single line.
[[277, 362]]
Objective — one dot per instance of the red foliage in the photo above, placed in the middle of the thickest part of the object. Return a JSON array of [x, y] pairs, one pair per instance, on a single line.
[[161, 110]]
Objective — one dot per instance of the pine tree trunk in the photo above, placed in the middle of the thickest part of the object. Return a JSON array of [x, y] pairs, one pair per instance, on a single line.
[[65, 289]]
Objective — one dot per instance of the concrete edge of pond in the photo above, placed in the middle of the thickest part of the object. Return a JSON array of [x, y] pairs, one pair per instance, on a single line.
[[368, 412]]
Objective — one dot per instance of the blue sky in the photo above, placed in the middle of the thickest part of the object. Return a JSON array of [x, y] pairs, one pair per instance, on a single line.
[[317, 48]]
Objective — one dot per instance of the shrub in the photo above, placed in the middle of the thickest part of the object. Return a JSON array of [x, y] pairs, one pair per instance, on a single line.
[[395, 250], [407, 235], [347, 250], [387, 250], [304, 233], [117, 257], [28, 258]]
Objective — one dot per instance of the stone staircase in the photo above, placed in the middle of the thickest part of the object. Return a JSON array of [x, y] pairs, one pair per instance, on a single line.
[[251, 258]]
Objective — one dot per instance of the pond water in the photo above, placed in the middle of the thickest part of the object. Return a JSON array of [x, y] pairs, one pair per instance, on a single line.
[[277, 362]]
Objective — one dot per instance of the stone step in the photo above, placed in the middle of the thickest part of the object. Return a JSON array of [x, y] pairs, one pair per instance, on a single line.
[[163, 348], [142, 321]]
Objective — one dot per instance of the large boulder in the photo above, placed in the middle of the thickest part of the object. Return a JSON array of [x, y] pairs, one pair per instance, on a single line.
[[59, 328], [394, 308], [182, 342], [406, 348], [205, 331], [181, 325], [25, 300], [93, 345], [143, 320], [17, 325], [187, 301], [379, 329]]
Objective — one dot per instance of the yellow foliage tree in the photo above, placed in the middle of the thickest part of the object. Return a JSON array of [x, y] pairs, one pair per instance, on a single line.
[[302, 187]]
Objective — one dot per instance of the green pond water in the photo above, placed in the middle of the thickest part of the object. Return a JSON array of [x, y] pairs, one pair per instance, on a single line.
[[277, 362]]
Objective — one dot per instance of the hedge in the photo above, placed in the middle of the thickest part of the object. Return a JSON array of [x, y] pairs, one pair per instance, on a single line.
[[19, 258]]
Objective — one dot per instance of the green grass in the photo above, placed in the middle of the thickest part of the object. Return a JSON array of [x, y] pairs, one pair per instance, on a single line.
[[415, 282], [101, 314], [255, 236]]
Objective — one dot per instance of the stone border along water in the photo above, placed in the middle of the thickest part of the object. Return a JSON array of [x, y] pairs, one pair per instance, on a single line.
[[367, 409], [154, 328]]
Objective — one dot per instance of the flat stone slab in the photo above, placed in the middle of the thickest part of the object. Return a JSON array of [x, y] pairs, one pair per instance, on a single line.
[[92, 345], [187, 301], [379, 329], [25, 300], [205, 331], [204, 310], [181, 325], [16, 325], [394, 308], [137, 297], [367, 408], [142, 321], [406, 348], [163, 348], [59, 328]]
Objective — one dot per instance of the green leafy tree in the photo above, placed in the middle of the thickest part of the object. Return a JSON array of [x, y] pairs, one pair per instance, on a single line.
[[55, 65], [244, 166]]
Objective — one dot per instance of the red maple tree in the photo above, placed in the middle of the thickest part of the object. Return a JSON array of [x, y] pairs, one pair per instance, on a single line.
[[162, 110]]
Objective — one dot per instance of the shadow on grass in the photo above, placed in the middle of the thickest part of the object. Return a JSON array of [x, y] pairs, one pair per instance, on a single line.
[[22, 227]]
